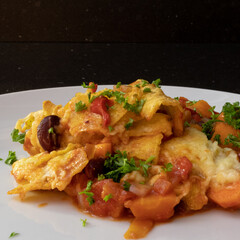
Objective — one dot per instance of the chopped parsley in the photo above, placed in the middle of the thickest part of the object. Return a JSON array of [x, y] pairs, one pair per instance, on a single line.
[[146, 90], [91, 86], [110, 128], [51, 130], [17, 137], [79, 106], [207, 127], [191, 103], [11, 158], [91, 99], [89, 185], [87, 192], [234, 140], [144, 83], [107, 197], [146, 165], [126, 185], [13, 234], [217, 138], [136, 107], [157, 82], [186, 124], [232, 114], [118, 165], [137, 85], [84, 222], [167, 167], [118, 85], [101, 177], [129, 124], [89, 96], [119, 98]]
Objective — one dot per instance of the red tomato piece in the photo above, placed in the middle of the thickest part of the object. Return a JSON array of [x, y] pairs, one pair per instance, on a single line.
[[99, 106], [93, 90], [182, 101], [180, 171], [162, 186], [113, 207]]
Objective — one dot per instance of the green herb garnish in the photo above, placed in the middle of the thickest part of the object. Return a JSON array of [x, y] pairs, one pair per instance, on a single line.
[[191, 102], [11, 158], [234, 140], [126, 185], [118, 85], [157, 82], [186, 124], [207, 127], [146, 90], [79, 106], [118, 165], [107, 197], [167, 167], [217, 138], [84, 222], [129, 124], [91, 86], [232, 114], [144, 83], [136, 107], [101, 177], [146, 165], [13, 234], [87, 192], [51, 130], [17, 137], [110, 128]]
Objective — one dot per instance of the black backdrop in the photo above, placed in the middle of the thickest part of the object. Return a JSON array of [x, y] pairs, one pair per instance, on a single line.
[[52, 43]]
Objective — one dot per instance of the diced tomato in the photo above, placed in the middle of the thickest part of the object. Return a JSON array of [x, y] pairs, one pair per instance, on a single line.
[[93, 90], [162, 186], [180, 171], [79, 181], [99, 106], [196, 117], [182, 101], [114, 207]]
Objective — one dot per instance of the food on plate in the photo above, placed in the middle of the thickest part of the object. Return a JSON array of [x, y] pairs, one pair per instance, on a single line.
[[132, 151]]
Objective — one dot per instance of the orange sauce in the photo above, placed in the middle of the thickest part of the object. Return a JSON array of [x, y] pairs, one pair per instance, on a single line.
[[139, 228], [42, 205]]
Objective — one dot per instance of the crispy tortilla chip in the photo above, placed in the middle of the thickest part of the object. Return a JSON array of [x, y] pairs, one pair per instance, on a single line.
[[46, 171], [159, 123], [143, 147]]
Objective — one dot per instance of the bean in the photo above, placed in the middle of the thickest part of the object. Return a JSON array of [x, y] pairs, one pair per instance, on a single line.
[[94, 168], [46, 133]]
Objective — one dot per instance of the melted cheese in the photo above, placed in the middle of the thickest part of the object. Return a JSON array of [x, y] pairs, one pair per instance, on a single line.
[[216, 165]]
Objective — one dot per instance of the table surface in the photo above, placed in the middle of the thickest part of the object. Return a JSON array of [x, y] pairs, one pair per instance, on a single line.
[[32, 65]]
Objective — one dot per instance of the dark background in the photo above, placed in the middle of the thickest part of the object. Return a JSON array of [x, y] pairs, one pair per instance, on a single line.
[[54, 43]]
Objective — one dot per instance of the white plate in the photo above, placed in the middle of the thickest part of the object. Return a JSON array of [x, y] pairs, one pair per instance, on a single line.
[[59, 219]]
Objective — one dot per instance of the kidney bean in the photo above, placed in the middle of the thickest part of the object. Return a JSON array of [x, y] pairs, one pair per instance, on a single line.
[[94, 168], [46, 133]]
